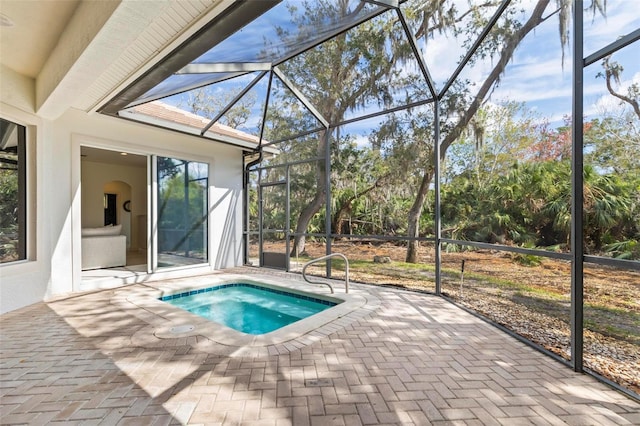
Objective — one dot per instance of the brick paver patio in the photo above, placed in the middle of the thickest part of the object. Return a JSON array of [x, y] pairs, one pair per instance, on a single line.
[[412, 359]]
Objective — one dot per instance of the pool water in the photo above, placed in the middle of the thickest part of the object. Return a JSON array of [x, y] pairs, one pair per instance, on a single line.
[[248, 308]]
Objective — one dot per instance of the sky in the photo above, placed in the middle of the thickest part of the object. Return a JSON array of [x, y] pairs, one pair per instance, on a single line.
[[538, 77], [537, 74]]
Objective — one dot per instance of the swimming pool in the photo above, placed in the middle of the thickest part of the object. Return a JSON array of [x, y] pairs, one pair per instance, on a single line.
[[167, 324], [248, 308]]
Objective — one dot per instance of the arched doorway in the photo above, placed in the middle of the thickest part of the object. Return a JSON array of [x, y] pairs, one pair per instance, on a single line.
[[117, 207]]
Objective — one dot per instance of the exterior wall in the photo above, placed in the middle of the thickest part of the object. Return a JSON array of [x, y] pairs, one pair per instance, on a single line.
[[54, 266], [25, 282]]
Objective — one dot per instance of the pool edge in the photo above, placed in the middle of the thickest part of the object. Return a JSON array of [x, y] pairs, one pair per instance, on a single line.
[[169, 322]]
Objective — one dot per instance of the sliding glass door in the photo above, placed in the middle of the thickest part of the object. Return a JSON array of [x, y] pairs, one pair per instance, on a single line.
[[181, 206]]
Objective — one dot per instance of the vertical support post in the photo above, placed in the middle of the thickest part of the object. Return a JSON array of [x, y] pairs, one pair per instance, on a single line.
[[185, 213], [245, 213], [153, 197], [437, 222], [260, 222], [327, 183], [260, 211], [287, 220], [577, 199]]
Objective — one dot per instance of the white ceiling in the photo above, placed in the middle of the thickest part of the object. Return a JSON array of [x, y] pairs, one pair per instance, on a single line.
[[81, 52], [106, 156], [37, 25]]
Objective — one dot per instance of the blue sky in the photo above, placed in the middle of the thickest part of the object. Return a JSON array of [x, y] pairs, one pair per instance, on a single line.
[[536, 75]]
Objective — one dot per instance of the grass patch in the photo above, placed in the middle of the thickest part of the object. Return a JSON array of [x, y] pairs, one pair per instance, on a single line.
[[613, 322]]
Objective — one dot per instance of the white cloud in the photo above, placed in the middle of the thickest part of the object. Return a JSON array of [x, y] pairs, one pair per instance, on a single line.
[[361, 141]]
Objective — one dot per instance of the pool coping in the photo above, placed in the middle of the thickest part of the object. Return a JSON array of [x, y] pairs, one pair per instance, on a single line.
[[170, 322]]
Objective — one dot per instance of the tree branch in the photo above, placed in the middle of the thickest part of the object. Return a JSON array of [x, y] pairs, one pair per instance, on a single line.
[[609, 74]]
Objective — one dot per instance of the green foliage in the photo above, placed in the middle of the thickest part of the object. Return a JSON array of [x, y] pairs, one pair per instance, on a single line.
[[182, 211], [629, 249], [8, 214], [531, 204], [526, 259]]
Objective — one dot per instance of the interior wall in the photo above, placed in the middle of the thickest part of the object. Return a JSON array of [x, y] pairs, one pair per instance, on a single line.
[[99, 178], [55, 270]]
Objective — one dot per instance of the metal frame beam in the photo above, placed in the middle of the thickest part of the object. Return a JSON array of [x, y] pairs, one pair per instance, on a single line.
[[384, 3], [265, 109], [613, 47], [210, 68], [327, 217], [437, 213], [632, 265]]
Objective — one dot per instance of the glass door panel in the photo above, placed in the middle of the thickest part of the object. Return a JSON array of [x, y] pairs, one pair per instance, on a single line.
[[182, 212]]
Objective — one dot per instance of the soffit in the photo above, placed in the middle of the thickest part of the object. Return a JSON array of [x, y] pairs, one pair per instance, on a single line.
[[158, 26]]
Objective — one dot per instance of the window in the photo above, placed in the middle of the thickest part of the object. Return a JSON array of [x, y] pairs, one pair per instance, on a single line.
[[13, 196]]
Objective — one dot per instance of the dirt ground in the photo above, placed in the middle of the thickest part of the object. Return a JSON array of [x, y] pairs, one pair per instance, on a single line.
[[538, 310]]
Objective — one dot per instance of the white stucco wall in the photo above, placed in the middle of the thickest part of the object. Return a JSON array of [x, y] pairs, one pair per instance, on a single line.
[[54, 268]]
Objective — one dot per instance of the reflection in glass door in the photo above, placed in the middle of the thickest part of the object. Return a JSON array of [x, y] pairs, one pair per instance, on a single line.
[[182, 213]]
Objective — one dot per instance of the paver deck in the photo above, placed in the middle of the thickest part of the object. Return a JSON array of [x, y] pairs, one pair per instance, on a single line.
[[410, 359]]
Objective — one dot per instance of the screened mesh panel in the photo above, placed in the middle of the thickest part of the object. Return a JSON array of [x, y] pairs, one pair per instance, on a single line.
[[511, 184], [287, 28], [485, 62], [529, 295], [507, 171], [308, 147], [287, 115], [612, 156], [605, 22], [611, 318], [246, 114], [179, 83], [445, 31], [367, 69], [307, 196], [377, 167], [208, 101], [252, 189]]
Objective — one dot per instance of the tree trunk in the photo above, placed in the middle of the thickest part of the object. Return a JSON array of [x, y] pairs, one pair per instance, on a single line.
[[318, 199], [413, 228], [339, 218], [505, 56], [304, 219]]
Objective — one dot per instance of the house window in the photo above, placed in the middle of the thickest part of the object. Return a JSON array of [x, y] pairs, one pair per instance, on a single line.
[[13, 196]]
